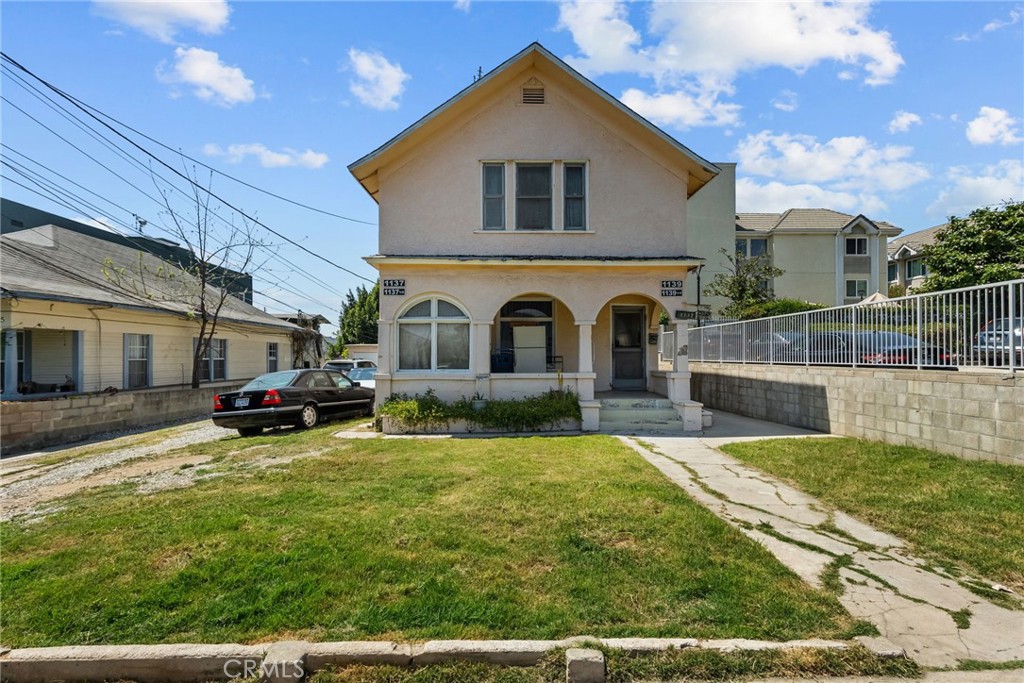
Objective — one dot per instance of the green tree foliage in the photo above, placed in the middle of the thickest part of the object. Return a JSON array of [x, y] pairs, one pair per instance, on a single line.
[[359, 314], [745, 283], [985, 247], [778, 307]]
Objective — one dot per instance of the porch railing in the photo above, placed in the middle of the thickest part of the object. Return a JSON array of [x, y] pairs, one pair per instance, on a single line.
[[969, 327]]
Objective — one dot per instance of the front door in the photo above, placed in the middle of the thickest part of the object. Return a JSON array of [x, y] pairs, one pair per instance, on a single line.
[[628, 371]]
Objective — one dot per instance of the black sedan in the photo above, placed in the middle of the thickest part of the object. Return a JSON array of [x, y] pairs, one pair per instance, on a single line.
[[291, 397]]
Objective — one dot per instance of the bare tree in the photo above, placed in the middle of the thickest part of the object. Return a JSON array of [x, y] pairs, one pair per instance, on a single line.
[[218, 255]]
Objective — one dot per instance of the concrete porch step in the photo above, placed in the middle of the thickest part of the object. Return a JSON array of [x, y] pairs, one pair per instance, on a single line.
[[632, 414], [673, 427], [636, 403]]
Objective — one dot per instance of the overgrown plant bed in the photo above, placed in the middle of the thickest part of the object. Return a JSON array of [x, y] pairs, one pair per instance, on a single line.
[[400, 539], [555, 410]]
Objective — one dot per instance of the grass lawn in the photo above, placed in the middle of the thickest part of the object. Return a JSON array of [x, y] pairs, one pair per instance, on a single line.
[[403, 539], [965, 515]]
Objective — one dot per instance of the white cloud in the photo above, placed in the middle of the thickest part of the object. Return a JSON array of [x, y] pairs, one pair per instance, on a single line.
[[462, 5], [378, 83], [234, 154], [847, 163], [163, 19], [786, 101], [972, 188], [775, 197], [993, 125], [795, 35], [902, 121], [997, 24], [210, 79], [681, 109]]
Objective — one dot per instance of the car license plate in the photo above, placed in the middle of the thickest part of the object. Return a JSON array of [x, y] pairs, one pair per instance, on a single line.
[[242, 402]]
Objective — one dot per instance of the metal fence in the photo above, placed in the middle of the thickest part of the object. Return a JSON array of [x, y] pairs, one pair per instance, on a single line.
[[970, 327]]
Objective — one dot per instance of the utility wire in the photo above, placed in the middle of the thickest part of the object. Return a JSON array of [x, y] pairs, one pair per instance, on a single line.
[[179, 173]]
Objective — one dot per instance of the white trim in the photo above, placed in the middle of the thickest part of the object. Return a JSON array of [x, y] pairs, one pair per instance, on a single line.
[[688, 262]]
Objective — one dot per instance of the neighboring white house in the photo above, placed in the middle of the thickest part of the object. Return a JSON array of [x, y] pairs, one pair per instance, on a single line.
[[86, 314], [532, 231]]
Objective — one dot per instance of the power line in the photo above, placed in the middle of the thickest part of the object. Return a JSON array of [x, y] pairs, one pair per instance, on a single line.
[[179, 173]]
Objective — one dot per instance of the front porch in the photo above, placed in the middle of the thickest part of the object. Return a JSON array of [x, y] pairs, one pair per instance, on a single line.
[[39, 363]]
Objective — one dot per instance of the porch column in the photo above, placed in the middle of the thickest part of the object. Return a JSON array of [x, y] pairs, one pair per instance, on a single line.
[[679, 380], [382, 378], [482, 357], [78, 360], [589, 408], [10, 342]]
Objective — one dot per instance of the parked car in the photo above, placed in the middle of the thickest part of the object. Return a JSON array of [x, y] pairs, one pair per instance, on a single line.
[[867, 348], [290, 397], [993, 342], [774, 346], [346, 364], [365, 377]]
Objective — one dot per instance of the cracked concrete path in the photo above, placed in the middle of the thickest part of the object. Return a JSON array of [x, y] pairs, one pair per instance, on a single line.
[[911, 604]]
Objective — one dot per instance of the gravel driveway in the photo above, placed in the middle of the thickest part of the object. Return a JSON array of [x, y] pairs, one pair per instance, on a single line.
[[31, 485]]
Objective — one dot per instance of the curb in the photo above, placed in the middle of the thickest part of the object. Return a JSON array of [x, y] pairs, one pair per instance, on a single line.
[[292, 661]]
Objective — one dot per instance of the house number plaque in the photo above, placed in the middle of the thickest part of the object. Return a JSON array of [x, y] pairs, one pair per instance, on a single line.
[[671, 287], [393, 287]]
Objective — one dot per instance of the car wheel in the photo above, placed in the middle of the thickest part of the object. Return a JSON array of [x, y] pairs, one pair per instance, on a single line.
[[250, 431], [309, 417]]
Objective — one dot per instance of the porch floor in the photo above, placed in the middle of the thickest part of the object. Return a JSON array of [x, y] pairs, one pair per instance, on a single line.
[[620, 393]]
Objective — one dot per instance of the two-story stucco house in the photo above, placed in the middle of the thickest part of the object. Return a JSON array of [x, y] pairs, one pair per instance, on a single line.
[[907, 265], [532, 231]]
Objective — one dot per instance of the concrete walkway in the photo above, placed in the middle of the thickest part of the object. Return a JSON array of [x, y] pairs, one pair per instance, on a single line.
[[911, 603]]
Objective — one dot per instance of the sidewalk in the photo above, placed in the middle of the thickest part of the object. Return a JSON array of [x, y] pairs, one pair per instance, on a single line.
[[911, 605]]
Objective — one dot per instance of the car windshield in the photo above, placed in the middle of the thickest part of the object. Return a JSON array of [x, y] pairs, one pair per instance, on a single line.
[[272, 380], [361, 373]]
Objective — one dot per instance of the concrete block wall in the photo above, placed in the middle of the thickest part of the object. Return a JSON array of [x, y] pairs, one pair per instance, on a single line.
[[59, 420], [977, 415]]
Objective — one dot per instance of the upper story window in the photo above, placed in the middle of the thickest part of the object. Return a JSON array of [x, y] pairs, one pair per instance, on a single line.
[[856, 246], [534, 195], [916, 268], [575, 197], [893, 272], [751, 248]]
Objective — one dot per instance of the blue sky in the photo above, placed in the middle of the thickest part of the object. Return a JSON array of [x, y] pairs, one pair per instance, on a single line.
[[904, 111]]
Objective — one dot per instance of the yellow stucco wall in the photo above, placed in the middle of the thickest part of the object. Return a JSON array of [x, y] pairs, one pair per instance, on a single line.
[[102, 352], [711, 226]]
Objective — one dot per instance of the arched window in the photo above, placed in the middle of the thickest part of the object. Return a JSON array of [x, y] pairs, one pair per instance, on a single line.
[[433, 335]]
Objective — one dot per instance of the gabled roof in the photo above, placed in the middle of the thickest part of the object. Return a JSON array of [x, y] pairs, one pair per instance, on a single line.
[[58, 264], [915, 242], [535, 55], [806, 220]]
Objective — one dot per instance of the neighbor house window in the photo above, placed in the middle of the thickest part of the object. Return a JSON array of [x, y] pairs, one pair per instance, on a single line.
[[20, 360], [751, 248], [137, 360], [893, 272], [575, 197], [856, 289], [856, 246], [494, 197], [271, 356], [533, 196], [433, 335], [916, 268], [213, 366]]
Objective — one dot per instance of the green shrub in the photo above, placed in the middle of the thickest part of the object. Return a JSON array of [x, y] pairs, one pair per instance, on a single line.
[[427, 411], [778, 307]]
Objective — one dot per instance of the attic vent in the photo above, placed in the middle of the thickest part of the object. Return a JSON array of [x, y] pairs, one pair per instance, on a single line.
[[533, 95]]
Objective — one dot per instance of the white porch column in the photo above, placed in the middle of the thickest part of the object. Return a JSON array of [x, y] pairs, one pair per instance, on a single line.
[[10, 342], [385, 331], [679, 380], [590, 409], [482, 357]]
